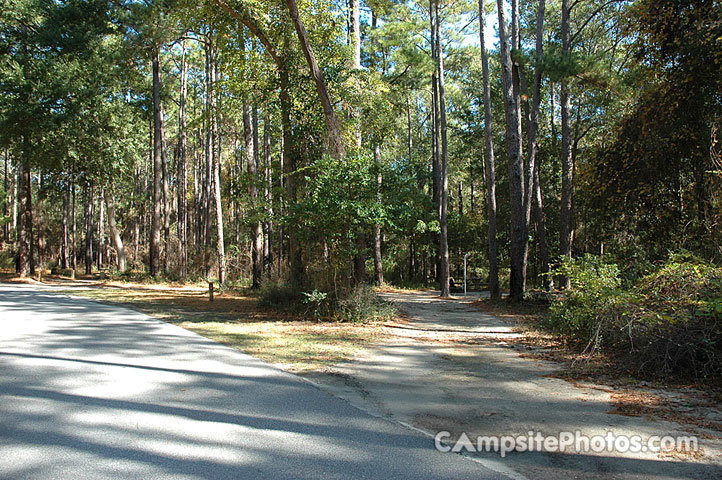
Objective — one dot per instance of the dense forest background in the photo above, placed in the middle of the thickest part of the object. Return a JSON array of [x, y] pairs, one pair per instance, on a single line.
[[327, 144]]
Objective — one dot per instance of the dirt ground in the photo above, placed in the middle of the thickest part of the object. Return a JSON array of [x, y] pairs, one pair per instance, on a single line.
[[450, 367]]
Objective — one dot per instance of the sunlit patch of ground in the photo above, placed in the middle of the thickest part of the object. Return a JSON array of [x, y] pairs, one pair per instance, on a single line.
[[234, 318]]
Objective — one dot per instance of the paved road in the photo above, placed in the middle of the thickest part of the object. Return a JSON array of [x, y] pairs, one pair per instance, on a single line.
[[96, 391]]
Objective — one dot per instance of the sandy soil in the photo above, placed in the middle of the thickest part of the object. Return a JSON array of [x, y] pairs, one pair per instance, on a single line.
[[449, 367]]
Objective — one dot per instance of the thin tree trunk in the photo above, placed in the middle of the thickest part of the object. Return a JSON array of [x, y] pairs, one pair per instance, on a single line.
[[6, 227], [182, 167], [25, 216], [89, 229], [256, 268], [533, 121], [114, 232], [216, 158], [268, 194], [378, 263], [155, 226], [533, 188], [101, 230], [74, 258], [565, 217], [209, 149], [65, 249], [289, 170], [443, 211], [16, 181], [547, 280], [335, 140], [166, 194], [516, 172]]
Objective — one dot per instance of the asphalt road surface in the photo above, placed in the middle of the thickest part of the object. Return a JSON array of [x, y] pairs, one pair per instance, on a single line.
[[100, 392]]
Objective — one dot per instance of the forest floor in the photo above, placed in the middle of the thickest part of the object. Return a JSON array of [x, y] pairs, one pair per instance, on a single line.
[[456, 365]]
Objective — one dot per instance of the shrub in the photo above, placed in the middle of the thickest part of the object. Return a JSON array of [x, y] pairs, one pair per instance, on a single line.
[[670, 322], [594, 285], [363, 305], [281, 296], [360, 304]]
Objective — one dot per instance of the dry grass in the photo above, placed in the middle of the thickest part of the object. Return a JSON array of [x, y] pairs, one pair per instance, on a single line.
[[235, 319]]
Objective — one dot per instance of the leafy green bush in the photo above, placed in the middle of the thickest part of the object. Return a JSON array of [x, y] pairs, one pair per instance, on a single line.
[[362, 305], [595, 284], [281, 296], [670, 322]]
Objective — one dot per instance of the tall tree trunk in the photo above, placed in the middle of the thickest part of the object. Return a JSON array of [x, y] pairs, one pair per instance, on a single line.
[[378, 264], [355, 25], [295, 258], [533, 189], [444, 200], [216, 158], [268, 194], [16, 181], [65, 249], [516, 171], [533, 120], [101, 230], [547, 280], [74, 258], [335, 140], [155, 225], [356, 32], [182, 167], [166, 194], [565, 217], [435, 144], [89, 229], [209, 151], [25, 214], [256, 267], [435, 149], [6, 200], [114, 232]]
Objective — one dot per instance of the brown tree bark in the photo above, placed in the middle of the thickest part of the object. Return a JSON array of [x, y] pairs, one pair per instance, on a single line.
[[249, 144], [444, 199], [565, 217], [166, 194], [182, 167], [216, 158], [114, 232], [378, 259], [533, 188], [155, 226], [101, 231], [25, 214], [89, 203], [516, 171], [268, 194], [6, 227], [65, 248], [335, 140]]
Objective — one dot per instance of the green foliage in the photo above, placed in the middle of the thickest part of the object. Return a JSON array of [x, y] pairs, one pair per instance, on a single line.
[[281, 296], [359, 305], [363, 305], [670, 322], [594, 285], [316, 302]]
